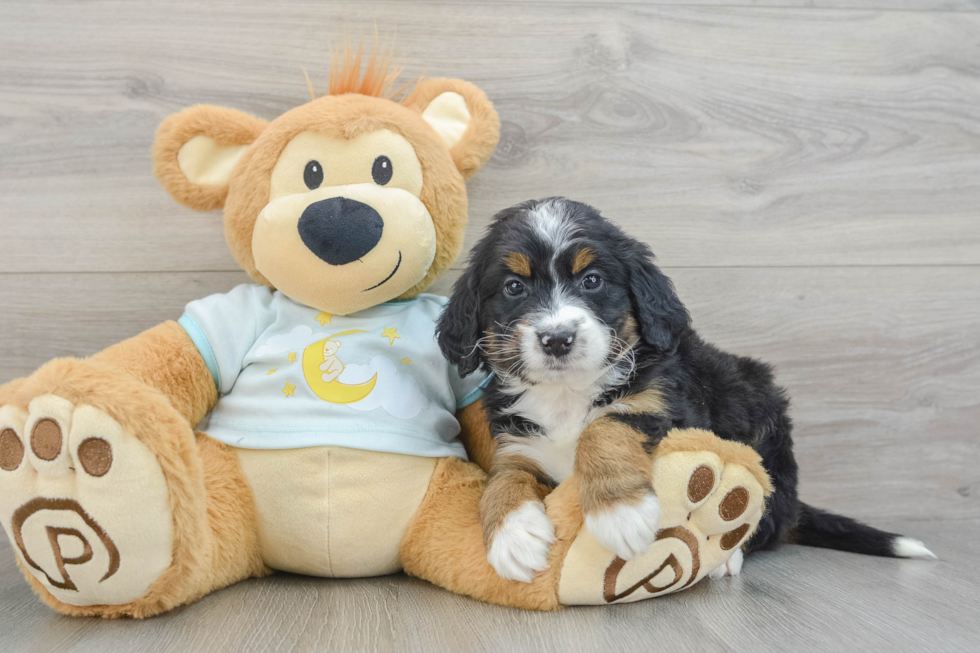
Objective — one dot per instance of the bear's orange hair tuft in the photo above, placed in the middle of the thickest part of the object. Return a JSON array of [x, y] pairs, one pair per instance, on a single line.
[[345, 72]]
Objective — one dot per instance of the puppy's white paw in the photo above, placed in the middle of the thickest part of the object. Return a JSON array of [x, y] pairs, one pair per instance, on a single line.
[[627, 530], [520, 548], [732, 567]]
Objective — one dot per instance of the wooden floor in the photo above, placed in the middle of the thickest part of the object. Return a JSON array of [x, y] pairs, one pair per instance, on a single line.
[[808, 172]]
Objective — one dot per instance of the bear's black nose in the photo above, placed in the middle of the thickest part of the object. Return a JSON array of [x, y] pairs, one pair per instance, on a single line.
[[339, 230]]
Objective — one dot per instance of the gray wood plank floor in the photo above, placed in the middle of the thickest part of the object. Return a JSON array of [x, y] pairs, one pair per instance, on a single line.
[[794, 599], [808, 172]]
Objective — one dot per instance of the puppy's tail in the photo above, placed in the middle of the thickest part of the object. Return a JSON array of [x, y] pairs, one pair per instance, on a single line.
[[818, 527]]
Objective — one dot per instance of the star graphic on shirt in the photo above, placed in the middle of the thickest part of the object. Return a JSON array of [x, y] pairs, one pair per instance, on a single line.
[[271, 372], [324, 318], [288, 390], [391, 333], [292, 357], [406, 361]]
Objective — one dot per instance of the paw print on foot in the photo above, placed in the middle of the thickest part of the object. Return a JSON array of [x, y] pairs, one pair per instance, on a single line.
[[712, 496], [85, 504]]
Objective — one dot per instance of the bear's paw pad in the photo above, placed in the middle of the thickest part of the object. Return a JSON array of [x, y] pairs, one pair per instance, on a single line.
[[711, 503], [84, 503]]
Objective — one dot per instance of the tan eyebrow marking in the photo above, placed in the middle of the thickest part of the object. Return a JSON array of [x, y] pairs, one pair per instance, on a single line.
[[583, 259], [518, 263]]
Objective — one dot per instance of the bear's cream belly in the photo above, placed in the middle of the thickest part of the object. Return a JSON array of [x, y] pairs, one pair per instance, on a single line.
[[332, 511]]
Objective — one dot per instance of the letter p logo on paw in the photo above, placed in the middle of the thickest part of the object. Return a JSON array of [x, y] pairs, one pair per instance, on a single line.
[[84, 502], [54, 561]]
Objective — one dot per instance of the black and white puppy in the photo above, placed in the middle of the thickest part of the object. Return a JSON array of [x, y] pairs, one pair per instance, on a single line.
[[594, 360]]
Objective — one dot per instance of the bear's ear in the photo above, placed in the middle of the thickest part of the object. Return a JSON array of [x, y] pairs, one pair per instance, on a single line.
[[463, 116], [196, 150]]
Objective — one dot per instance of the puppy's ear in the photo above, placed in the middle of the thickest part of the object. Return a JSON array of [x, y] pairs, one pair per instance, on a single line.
[[459, 326], [196, 150], [462, 116], [659, 310]]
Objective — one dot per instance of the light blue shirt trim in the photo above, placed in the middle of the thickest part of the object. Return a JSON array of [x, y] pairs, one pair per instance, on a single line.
[[251, 338], [203, 346], [473, 395]]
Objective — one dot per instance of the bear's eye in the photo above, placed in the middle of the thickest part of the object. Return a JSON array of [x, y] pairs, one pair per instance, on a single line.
[[381, 170], [313, 175]]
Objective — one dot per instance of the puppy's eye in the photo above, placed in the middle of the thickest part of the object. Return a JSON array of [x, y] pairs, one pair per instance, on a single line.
[[313, 175], [381, 171], [514, 288], [591, 281]]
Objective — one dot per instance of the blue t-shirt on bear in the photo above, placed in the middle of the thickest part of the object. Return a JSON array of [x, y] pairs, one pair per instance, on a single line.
[[292, 376]]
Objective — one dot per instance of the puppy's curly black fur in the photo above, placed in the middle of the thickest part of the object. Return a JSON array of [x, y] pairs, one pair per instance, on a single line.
[[538, 258]]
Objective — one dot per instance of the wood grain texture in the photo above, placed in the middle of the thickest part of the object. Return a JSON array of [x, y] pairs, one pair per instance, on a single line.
[[808, 172], [882, 364], [859, 5], [793, 599], [737, 136]]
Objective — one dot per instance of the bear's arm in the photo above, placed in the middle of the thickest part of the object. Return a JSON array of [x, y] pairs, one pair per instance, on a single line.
[[475, 434], [166, 358]]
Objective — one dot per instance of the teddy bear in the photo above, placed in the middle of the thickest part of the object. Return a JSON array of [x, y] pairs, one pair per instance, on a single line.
[[308, 422]]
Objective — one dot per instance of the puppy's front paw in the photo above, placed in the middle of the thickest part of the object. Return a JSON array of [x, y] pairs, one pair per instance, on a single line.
[[626, 530], [731, 567], [520, 547]]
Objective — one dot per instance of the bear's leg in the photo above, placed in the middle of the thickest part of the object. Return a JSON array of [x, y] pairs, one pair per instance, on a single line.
[[232, 522], [444, 543], [112, 504], [711, 493]]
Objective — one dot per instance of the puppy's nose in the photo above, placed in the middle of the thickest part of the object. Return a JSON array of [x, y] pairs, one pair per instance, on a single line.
[[557, 343], [340, 230]]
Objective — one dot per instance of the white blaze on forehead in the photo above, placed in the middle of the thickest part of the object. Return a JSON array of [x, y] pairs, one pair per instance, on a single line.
[[552, 221]]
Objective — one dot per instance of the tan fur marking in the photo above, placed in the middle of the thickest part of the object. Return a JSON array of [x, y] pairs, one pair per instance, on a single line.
[[518, 263], [629, 332], [611, 465], [475, 434], [648, 401], [504, 349], [583, 259], [512, 483]]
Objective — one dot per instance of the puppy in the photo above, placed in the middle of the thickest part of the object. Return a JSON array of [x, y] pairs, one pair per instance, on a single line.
[[594, 360]]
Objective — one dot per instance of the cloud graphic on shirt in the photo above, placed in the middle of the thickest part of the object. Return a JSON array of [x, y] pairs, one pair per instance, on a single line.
[[398, 393], [296, 339]]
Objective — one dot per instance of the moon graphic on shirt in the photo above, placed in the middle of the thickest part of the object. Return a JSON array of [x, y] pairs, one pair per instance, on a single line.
[[333, 391]]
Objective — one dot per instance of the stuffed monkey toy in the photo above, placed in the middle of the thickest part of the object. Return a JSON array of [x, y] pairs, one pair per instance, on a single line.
[[335, 439]]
